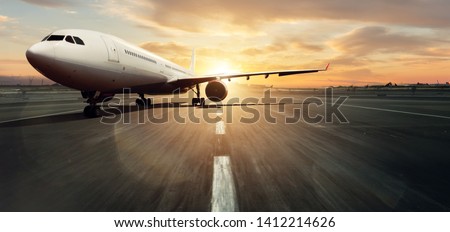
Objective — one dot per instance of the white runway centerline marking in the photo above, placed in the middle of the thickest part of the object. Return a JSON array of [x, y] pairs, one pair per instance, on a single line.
[[220, 128], [398, 111], [223, 191]]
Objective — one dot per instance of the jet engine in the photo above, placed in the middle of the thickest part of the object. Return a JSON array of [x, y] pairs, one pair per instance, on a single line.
[[216, 91]]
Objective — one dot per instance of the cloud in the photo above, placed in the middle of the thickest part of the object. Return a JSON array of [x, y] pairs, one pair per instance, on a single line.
[[358, 74], [168, 49], [393, 54], [443, 52], [251, 12], [50, 3], [369, 40], [4, 19], [348, 60], [262, 50], [7, 26], [423, 62], [308, 46], [71, 12], [13, 62], [199, 16], [178, 53], [283, 44]]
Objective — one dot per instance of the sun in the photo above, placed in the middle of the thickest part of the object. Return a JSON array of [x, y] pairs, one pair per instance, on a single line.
[[223, 67]]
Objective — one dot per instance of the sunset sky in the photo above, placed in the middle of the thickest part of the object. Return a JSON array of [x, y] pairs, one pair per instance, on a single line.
[[366, 41]]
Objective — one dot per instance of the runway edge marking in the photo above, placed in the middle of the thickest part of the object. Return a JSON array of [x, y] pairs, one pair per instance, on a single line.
[[39, 116], [398, 111]]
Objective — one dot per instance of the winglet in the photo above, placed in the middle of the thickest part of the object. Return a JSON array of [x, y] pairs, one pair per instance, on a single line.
[[326, 68]]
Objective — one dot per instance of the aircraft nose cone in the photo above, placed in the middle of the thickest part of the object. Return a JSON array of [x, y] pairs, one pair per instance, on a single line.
[[40, 55]]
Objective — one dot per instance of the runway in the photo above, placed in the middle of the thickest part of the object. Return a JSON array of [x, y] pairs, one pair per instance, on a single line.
[[391, 154]]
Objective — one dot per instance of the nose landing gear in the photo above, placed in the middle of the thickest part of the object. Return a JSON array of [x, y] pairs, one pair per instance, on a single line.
[[92, 110], [94, 97]]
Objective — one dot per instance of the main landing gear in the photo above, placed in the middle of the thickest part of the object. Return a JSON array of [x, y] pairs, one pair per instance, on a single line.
[[198, 100], [142, 101]]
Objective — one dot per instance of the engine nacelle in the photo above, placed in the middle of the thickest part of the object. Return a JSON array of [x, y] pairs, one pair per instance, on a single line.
[[216, 91]]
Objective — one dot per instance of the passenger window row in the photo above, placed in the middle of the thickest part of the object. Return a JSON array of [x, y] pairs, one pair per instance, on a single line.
[[139, 56], [178, 70]]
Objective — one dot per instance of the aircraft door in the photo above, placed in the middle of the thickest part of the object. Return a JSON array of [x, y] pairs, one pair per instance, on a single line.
[[161, 66], [112, 49]]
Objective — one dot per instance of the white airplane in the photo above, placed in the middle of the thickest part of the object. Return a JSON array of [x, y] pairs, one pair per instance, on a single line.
[[101, 65]]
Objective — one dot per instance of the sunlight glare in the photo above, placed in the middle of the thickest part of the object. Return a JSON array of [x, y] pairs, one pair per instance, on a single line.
[[224, 68]]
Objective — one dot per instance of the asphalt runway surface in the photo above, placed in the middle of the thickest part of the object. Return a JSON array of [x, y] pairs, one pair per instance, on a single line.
[[385, 154]]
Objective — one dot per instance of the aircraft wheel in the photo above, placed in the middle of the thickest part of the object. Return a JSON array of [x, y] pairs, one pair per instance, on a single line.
[[140, 102], [195, 101], [91, 111], [202, 101]]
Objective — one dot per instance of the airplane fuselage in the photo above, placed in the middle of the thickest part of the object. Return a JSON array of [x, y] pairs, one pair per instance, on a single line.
[[102, 63]]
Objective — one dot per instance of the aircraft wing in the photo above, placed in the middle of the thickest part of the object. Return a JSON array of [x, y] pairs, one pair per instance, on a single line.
[[189, 81]]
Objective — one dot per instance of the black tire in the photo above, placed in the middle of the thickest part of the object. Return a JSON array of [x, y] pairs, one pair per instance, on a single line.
[[149, 102], [195, 101], [202, 101], [140, 102], [91, 111]]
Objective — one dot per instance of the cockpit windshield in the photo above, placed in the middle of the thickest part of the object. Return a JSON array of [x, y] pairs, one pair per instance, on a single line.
[[45, 38], [68, 38], [55, 38], [78, 40]]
